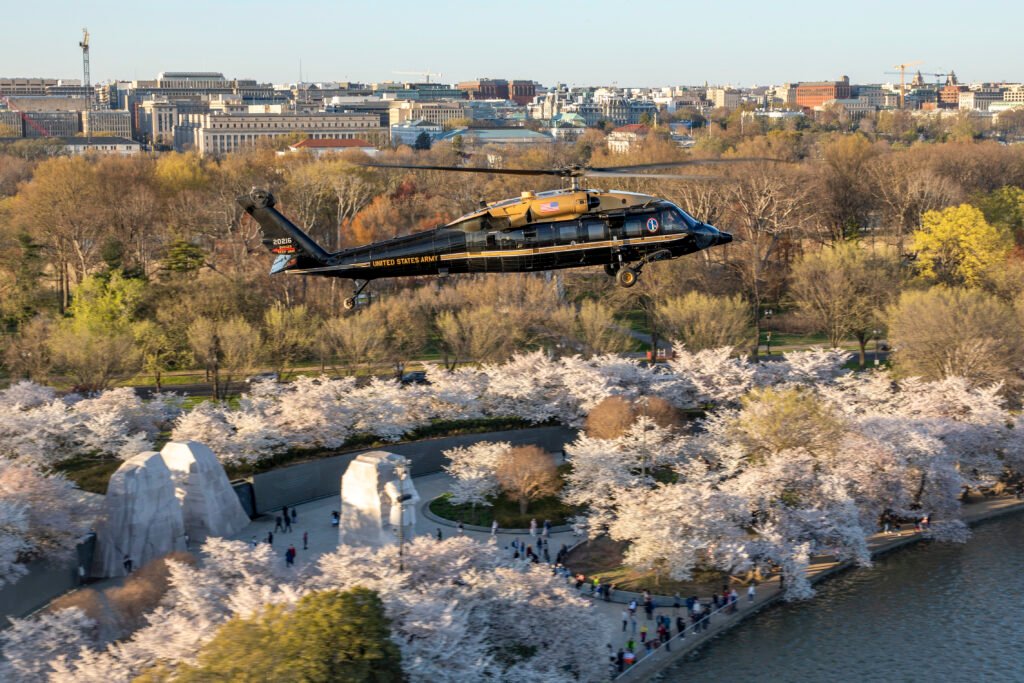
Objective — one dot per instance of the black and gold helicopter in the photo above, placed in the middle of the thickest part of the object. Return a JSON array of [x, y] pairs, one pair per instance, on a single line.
[[568, 228]]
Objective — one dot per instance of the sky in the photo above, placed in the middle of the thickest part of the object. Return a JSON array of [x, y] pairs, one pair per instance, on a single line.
[[592, 42]]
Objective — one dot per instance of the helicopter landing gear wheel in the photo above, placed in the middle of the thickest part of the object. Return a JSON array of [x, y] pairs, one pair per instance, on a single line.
[[611, 269], [349, 303], [626, 277]]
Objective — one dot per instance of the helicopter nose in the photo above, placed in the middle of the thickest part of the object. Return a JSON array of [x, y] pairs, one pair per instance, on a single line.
[[717, 236]]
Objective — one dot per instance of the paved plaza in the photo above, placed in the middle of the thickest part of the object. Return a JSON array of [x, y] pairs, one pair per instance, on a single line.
[[314, 518]]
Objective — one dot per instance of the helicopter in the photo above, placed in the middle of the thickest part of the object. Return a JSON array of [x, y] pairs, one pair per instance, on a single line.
[[568, 228]]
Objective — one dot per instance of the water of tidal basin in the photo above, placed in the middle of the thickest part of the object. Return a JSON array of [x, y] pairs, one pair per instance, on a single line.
[[934, 613]]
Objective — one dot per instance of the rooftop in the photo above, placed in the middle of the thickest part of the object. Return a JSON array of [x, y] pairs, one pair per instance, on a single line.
[[310, 143]]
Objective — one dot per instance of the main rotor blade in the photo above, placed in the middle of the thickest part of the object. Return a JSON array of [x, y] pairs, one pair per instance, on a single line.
[[472, 169], [659, 176], [690, 162]]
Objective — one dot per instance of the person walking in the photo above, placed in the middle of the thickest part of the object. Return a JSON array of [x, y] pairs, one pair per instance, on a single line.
[[289, 556], [277, 523], [284, 512], [305, 540], [494, 527], [127, 563], [287, 523], [681, 625], [547, 528], [295, 515], [625, 619], [270, 538], [254, 542], [649, 608], [751, 591], [461, 528], [643, 633], [533, 527], [439, 533]]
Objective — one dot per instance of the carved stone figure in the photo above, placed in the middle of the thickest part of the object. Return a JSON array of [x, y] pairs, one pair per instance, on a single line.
[[209, 505], [142, 519], [371, 505]]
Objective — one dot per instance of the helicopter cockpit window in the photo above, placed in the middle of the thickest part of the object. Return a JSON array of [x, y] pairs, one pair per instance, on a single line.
[[677, 220], [672, 222]]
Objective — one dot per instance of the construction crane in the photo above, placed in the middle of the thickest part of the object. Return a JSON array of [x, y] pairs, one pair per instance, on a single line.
[[903, 79], [424, 74], [84, 44]]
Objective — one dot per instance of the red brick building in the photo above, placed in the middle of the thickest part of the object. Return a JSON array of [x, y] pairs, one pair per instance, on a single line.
[[522, 92], [817, 93], [485, 89]]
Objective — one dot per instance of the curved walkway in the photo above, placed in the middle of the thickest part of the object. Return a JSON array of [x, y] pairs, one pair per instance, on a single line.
[[769, 592], [314, 519]]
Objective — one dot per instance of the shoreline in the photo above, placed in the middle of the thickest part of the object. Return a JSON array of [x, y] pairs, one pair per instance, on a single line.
[[769, 592]]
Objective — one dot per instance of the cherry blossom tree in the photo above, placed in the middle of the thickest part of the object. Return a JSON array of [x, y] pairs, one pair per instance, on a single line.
[[474, 470], [41, 516]]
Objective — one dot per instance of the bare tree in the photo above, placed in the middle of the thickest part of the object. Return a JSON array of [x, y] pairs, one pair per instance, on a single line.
[[944, 332], [528, 473], [705, 322], [355, 339], [842, 291]]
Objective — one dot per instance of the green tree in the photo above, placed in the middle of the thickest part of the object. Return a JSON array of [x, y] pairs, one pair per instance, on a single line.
[[183, 257], [842, 290], [422, 141], [1004, 208], [956, 246], [329, 637], [945, 332], [158, 353], [96, 345]]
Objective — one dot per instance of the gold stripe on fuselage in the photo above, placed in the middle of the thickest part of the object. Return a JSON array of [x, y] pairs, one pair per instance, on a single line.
[[529, 251], [526, 251]]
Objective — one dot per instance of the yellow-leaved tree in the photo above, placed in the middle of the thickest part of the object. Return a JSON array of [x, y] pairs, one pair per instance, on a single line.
[[956, 246]]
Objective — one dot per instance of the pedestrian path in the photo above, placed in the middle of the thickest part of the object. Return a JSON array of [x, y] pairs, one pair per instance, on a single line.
[[314, 520], [770, 592]]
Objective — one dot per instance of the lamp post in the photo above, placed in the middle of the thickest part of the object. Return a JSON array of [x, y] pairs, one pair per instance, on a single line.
[[402, 470], [876, 334]]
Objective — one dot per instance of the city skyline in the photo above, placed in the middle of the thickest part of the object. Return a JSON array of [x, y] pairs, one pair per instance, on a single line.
[[743, 44]]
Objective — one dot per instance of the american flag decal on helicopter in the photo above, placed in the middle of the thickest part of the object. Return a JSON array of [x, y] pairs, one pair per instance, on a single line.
[[548, 207]]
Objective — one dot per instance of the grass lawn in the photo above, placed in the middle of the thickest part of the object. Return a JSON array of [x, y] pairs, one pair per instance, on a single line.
[[506, 511], [89, 473], [603, 558]]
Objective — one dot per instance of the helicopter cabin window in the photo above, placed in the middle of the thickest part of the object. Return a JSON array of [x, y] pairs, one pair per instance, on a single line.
[[512, 239], [594, 231], [567, 233], [634, 226], [545, 235]]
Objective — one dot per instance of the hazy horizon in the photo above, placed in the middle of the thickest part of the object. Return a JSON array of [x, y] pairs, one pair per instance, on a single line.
[[575, 42]]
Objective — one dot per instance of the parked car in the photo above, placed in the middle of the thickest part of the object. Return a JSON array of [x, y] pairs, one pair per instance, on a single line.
[[263, 377], [415, 377]]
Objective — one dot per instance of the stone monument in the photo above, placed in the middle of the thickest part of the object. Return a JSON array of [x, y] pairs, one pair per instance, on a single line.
[[371, 506], [209, 505], [142, 517]]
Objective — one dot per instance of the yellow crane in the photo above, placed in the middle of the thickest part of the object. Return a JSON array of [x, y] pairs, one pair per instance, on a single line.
[[903, 74]]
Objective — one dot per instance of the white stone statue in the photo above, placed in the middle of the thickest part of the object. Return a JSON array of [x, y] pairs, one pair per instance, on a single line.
[[209, 505], [371, 509], [142, 519]]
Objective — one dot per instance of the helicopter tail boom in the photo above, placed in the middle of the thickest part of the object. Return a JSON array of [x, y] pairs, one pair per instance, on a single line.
[[293, 247]]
